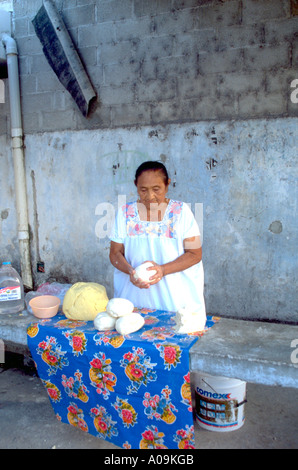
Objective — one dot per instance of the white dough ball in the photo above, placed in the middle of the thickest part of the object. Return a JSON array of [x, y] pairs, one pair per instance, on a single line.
[[103, 321], [142, 273], [129, 323], [118, 307]]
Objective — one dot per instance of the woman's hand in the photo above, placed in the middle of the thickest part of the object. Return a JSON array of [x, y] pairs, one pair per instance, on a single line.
[[137, 282], [157, 275]]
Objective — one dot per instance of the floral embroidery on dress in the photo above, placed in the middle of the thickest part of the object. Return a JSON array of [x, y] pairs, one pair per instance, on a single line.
[[136, 227]]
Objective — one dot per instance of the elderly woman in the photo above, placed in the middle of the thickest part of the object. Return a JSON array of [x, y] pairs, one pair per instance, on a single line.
[[163, 231]]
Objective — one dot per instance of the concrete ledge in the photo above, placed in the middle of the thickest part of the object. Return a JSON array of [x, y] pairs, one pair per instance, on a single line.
[[256, 352], [13, 331]]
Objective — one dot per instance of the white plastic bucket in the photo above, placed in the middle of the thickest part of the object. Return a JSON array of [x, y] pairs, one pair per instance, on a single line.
[[219, 402]]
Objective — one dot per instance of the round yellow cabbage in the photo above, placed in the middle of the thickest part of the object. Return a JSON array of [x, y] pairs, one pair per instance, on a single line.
[[84, 300]]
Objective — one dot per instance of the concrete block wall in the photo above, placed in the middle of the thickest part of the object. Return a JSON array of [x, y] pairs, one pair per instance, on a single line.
[[161, 62]]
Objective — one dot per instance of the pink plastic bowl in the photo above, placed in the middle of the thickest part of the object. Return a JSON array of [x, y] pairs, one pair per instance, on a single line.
[[45, 306]]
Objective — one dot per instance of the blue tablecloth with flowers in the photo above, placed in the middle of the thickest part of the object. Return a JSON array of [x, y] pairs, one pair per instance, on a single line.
[[133, 390]]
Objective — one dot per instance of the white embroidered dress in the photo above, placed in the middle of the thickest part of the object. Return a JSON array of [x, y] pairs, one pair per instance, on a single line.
[[161, 242]]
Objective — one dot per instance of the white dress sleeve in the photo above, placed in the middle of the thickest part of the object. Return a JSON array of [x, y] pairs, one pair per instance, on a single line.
[[118, 232], [188, 225]]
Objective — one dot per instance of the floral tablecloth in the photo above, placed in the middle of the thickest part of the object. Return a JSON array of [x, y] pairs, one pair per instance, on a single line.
[[133, 390]]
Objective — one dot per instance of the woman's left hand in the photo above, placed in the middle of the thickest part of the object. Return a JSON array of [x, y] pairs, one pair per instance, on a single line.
[[157, 273]]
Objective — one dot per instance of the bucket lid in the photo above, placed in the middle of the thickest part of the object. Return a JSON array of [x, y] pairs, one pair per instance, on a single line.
[[219, 381]]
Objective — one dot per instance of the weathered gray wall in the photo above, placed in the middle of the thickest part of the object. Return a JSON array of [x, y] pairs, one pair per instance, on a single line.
[[203, 85], [164, 61]]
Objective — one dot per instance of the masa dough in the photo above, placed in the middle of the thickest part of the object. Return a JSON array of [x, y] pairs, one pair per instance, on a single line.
[[189, 321], [142, 273], [103, 321], [119, 315], [129, 323], [84, 300], [118, 307]]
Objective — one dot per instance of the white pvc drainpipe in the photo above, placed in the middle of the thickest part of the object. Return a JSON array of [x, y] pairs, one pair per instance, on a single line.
[[18, 158]]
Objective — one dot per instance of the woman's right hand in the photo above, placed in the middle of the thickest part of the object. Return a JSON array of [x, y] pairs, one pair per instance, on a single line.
[[137, 282]]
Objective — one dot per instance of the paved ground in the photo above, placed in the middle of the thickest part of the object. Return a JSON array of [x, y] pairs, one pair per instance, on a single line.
[[28, 421]]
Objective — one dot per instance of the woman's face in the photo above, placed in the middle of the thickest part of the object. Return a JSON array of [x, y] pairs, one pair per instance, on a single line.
[[151, 187]]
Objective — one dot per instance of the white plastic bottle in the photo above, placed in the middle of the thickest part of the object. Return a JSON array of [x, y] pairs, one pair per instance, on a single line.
[[11, 290]]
